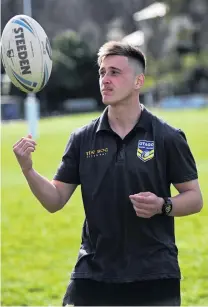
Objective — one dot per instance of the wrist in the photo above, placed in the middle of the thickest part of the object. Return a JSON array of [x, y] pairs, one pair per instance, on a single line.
[[160, 204], [27, 171]]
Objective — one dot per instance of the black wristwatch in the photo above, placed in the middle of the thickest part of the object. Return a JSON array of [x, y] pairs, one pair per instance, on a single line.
[[167, 206]]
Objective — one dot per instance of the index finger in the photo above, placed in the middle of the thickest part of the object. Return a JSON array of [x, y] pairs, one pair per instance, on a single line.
[[24, 138], [140, 199], [144, 193]]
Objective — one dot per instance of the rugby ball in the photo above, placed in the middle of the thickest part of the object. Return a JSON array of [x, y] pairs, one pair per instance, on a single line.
[[26, 53]]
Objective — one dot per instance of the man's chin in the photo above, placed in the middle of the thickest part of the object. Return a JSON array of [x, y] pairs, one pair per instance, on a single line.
[[107, 100]]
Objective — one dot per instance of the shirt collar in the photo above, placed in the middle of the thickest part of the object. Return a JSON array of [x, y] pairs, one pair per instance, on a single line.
[[144, 121], [103, 123]]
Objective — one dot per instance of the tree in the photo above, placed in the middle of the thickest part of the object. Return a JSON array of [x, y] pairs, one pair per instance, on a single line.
[[74, 72]]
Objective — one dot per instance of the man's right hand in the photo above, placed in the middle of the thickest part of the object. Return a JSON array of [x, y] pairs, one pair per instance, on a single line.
[[22, 150]]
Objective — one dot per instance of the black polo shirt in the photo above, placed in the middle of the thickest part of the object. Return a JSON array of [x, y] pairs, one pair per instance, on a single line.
[[117, 245]]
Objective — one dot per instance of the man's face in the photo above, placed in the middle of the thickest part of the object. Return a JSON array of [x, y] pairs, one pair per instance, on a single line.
[[117, 79]]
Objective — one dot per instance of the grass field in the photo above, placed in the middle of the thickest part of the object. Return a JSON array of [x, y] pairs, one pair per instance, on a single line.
[[39, 249]]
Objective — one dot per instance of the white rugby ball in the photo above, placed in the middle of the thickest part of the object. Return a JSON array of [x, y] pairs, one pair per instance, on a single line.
[[26, 53]]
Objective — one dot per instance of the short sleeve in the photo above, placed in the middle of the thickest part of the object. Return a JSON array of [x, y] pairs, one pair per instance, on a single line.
[[181, 166], [68, 170]]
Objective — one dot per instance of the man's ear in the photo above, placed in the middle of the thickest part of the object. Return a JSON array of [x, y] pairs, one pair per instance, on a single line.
[[139, 81]]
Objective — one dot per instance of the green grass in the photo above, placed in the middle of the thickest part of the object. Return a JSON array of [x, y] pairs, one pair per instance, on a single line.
[[39, 249]]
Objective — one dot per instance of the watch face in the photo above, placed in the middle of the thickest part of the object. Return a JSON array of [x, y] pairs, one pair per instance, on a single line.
[[168, 208]]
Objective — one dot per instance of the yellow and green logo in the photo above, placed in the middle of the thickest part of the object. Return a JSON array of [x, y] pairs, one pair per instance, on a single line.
[[145, 150]]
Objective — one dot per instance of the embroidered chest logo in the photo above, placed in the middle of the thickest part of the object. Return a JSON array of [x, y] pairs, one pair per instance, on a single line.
[[145, 150], [96, 153]]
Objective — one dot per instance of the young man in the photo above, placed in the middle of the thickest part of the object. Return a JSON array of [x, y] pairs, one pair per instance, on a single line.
[[125, 161]]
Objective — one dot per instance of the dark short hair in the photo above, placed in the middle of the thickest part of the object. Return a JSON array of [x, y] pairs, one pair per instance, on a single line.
[[123, 49]]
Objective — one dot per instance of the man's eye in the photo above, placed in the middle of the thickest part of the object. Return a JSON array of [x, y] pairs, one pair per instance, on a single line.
[[114, 72]]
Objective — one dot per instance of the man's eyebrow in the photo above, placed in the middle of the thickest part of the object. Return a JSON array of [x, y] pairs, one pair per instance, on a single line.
[[111, 67]]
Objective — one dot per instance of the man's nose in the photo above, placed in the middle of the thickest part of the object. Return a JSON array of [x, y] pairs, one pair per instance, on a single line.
[[106, 79]]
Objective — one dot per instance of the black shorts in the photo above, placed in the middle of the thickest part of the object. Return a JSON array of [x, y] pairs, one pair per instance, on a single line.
[[86, 292]]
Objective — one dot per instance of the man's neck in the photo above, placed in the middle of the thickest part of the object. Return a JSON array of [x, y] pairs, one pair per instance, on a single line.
[[123, 118]]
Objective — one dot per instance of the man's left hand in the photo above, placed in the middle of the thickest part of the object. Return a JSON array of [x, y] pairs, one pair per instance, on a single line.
[[146, 204]]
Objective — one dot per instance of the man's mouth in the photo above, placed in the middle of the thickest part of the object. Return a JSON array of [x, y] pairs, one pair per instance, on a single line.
[[106, 90]]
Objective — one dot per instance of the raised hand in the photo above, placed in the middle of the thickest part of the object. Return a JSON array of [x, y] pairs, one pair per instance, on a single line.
[[22, 150]]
